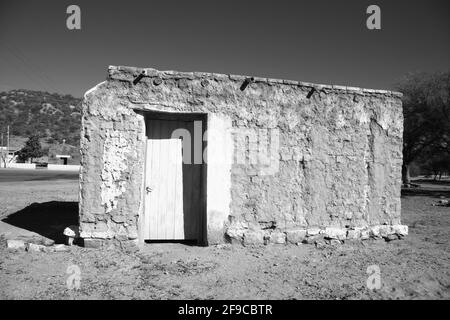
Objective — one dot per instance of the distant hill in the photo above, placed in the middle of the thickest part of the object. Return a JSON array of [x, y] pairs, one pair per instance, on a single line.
[[52, 116]]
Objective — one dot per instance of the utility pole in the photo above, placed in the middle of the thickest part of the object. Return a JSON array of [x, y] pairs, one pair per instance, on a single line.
[[7, 141], [1, 164]]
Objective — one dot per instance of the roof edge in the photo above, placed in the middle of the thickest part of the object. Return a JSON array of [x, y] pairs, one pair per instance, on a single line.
[[127, 72]]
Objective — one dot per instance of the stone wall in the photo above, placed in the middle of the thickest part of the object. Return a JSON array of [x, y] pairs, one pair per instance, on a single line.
[[338, 159]]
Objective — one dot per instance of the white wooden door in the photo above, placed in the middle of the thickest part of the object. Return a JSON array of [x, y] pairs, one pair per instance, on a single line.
[[173, 189], [164, 190]]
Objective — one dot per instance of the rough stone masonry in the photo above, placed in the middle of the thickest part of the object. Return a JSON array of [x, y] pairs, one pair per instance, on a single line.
[[332, 168]]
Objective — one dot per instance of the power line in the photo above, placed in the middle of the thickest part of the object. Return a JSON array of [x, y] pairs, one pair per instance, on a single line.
[[24, 71], [33, 69]]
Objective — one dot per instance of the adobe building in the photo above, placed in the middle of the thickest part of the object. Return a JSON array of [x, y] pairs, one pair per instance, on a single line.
[[217, 158]]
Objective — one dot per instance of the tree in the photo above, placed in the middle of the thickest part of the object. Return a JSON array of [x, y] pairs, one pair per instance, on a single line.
[[426, 111], [437, 165], [3, 158], [32, 149]]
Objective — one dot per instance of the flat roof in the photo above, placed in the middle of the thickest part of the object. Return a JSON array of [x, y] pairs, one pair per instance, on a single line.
[[127, 73]]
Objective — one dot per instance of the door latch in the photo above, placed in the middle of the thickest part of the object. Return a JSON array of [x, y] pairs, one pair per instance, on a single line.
[[148, 189]]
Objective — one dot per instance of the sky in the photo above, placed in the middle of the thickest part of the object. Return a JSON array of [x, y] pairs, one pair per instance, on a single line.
[[314, 41]]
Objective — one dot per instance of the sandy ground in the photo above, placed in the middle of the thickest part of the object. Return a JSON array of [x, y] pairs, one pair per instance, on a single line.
[[417, 267]]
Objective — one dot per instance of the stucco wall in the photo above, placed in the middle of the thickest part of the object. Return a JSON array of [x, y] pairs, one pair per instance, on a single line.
[[337, 161]]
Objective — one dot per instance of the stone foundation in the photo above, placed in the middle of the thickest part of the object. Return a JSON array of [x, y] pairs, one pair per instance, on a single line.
[[248, 236]]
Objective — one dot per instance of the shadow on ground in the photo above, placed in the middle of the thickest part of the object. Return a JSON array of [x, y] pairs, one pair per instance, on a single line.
[[48, 219]]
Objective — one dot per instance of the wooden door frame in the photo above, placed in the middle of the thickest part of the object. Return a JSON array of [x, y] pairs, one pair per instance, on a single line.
[[161, 115]]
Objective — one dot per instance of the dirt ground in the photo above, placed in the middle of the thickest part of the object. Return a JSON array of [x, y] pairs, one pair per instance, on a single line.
[[417, 267]]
